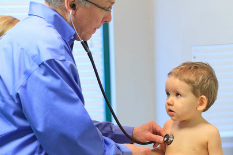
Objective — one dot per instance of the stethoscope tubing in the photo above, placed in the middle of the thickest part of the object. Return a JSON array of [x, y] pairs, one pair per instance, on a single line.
[[86, 48]]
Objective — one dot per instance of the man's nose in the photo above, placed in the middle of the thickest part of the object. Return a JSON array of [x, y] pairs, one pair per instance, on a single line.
[[107, 18]]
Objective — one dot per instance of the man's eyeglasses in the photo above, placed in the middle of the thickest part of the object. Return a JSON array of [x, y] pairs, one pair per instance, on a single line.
[[108, 10]]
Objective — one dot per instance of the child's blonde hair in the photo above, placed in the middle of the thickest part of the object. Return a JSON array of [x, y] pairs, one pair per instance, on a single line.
[[6, 23], [201, 77]]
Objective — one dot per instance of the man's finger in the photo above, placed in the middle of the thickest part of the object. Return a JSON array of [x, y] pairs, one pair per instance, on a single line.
[[157, 139]]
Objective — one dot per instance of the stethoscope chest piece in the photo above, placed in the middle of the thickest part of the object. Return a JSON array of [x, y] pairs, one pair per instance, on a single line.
[[168, 139]]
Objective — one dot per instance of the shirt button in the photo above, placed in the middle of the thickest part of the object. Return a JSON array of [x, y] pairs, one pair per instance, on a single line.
[[72, 37]]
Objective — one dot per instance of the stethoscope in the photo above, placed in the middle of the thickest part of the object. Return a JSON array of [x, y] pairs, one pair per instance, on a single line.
[[168, 139]]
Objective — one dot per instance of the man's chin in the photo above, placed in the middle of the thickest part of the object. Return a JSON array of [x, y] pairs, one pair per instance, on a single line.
[[87, 37]]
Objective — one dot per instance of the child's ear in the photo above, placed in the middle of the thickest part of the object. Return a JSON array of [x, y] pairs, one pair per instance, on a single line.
[[202, 103]]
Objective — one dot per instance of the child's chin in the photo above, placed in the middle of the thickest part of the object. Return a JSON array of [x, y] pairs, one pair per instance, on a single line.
[[175, 119]]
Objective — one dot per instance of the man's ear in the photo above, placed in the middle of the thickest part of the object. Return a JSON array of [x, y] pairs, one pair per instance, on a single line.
[[202, 103], [69, 4]]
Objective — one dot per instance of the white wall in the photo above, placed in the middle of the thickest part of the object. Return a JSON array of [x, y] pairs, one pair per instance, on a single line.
[[151, 37], [134, 61]]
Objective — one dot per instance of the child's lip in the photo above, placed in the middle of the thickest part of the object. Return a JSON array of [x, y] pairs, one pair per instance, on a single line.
[[170, 110]]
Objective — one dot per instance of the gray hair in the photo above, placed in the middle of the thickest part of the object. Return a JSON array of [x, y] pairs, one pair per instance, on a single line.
[[59, 3]]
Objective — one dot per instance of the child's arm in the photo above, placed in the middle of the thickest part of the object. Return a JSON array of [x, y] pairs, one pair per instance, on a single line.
[[214, 142]]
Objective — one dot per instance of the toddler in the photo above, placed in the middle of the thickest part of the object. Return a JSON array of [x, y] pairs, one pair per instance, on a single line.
[[191, 89]]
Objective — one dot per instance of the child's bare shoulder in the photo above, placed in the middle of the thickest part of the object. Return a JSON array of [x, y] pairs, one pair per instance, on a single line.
[[210, 129], [214, 139], [168, 124]]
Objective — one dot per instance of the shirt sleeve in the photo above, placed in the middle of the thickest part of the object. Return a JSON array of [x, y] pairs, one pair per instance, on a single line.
[[114, 132], [115, 149], [52, 102]]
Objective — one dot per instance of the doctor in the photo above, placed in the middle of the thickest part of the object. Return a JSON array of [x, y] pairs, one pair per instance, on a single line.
[[41, 103]]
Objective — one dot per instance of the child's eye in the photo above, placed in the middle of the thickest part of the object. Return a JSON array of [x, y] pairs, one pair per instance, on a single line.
[[178, 95], [168, 94]]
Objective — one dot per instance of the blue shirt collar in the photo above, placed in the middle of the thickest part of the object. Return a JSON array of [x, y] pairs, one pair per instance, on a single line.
[[55, 19]]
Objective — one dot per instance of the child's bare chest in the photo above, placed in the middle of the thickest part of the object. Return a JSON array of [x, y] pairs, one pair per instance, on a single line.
[[187, 142]]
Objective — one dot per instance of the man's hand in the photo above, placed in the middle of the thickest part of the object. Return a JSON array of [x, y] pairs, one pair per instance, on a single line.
[[137, 150], [149, 132]]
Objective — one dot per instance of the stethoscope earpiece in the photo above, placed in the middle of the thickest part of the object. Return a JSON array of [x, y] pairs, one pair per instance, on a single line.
[[168, 139], [73, 6]]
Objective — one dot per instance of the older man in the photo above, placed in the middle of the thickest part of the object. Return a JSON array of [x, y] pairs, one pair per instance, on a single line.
[[42, 106]]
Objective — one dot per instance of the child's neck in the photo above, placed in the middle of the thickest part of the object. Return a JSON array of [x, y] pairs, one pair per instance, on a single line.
[[191, 122]]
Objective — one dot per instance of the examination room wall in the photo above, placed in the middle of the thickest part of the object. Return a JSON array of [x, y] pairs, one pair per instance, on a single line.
[[134, 61], [150, 38]]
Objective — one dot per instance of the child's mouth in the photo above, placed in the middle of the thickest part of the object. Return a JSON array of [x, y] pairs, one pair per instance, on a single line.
[[170, 112]]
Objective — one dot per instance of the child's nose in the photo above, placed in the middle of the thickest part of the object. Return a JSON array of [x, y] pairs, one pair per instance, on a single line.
[[170, 101]]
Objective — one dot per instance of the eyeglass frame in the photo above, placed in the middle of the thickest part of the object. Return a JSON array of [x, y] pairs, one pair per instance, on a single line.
[[105, 9]]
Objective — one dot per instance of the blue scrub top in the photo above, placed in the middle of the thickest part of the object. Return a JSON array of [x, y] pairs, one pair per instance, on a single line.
[[41, 102]]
